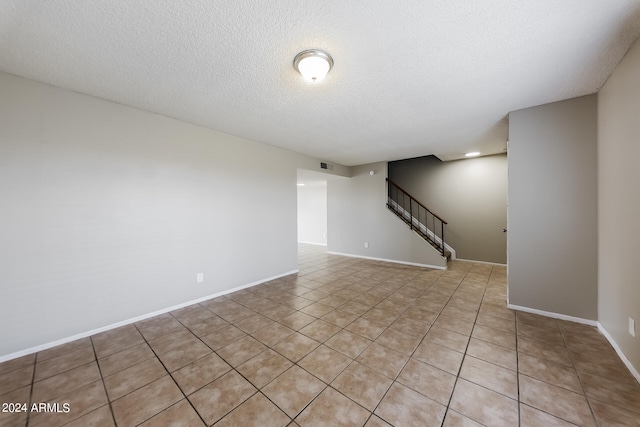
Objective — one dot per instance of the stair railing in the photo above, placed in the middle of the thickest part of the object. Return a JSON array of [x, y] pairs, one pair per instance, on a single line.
[[416, 215]]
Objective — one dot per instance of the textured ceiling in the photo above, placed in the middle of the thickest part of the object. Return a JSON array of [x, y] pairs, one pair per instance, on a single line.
[[411, 78]]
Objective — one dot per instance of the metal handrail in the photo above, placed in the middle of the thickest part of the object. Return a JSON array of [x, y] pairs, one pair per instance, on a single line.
[[416, 200], [402, 209]]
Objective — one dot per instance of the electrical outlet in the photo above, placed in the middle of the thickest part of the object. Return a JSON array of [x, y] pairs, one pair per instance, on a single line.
[[366, 244], [199, 277], [632, 327]]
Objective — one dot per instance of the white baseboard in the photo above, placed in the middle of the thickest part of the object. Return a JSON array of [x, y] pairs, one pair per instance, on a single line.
[[618, 350], [553, 315], [51, 344], [313, 243], [415, 264], [482, 262]]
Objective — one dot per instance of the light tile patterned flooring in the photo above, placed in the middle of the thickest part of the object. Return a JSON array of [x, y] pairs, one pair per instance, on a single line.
[[346, 342]]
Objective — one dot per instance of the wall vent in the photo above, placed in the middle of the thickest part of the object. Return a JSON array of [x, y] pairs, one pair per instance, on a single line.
[[327, 166]]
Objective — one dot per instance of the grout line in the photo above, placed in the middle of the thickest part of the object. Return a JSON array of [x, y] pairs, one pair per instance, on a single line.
[[515, 332], [575, 368], [167, 371], [394, 380], [515, 319], [33, 379], [354, 359], [464, 355], [258, 389], [104, 386], [556, 385]]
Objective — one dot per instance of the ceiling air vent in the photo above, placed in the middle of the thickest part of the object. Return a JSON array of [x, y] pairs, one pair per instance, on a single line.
[[327, 166]]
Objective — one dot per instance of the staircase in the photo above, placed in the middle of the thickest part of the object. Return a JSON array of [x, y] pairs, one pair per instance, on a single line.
[[418, 217]]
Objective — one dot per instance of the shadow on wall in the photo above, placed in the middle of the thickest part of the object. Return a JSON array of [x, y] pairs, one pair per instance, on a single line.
[[470, 194]]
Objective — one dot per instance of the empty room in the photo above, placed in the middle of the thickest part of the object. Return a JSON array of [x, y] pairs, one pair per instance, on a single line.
[[328, 213]]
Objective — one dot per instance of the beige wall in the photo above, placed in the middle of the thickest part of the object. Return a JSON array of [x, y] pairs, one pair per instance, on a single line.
[[619, 204], [470, 194], [357, 213], [552, 239], [107, 213]]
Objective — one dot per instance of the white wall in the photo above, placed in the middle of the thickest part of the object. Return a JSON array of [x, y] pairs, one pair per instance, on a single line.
[[312, 213], [552, 239], [619, 204], [470, 194], [357, 213], [108, 212]]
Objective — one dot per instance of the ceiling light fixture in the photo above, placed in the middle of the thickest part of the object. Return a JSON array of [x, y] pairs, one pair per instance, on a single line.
[[313, 64], [472, 154]]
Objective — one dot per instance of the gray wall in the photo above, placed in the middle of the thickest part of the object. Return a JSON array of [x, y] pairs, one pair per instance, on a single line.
[[357, 213], [107, 213], [552, 239], [470, 194], [312, 213], [619, 204]]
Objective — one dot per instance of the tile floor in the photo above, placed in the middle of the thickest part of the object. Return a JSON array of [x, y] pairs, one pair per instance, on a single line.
[[346, 342]]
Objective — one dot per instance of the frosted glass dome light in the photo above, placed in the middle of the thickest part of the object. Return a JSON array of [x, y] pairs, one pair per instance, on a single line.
[[313, 64]]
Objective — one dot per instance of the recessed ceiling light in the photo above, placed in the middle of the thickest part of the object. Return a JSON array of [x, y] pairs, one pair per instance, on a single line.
[[301, 184], [472, 154], [313, 64]]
